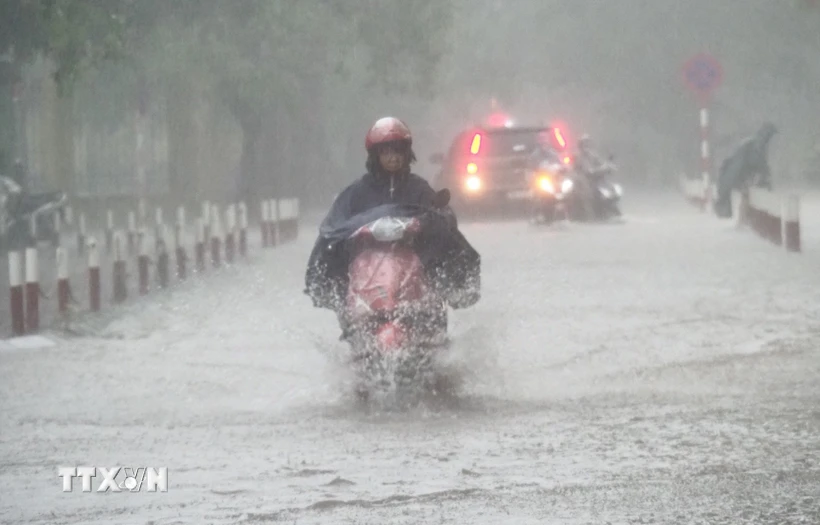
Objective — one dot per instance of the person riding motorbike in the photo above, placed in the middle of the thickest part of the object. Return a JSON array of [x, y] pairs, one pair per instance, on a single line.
[[747, 166], [388, 181]]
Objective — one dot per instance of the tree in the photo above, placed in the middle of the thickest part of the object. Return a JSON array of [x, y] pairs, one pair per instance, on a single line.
[[73, 33], [267, 61], [271, 60]]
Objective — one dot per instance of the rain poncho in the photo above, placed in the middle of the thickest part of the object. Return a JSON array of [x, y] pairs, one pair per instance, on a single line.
[[747, 165], [450, 262]]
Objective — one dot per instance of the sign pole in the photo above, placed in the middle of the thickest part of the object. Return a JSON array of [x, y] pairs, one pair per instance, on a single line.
[[702, 74], [705, 162]]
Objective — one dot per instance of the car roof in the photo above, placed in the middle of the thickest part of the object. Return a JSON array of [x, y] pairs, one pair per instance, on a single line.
[[505, 129]]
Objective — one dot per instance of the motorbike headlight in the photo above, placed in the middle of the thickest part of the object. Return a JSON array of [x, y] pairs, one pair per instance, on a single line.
[[566, 186]]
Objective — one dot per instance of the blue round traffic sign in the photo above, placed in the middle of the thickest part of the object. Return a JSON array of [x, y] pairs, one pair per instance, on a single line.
[[703, 74]]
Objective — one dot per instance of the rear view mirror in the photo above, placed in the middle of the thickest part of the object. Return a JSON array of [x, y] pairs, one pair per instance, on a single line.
[[437, 158], [441, 198]]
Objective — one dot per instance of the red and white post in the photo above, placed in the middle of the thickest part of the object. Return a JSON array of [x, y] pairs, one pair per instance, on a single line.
[[243, 229], [143, 261], [163, 257], [705, 159], [179, 244], [32, 291], [230, 233], [216, 241], [132, 232], [206, 219], [288, 222], [199, 246], [109, 231], [275, 216], [263, 226], [120, 286], [32, 228], [93, 275], [63, 289], [158, 225], [18, 324], [81, 234]]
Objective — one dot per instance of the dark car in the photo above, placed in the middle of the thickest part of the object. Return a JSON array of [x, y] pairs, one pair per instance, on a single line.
[[493, 166]]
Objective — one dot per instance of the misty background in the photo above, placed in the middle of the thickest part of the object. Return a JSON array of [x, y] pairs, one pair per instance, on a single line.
[[253, 98]]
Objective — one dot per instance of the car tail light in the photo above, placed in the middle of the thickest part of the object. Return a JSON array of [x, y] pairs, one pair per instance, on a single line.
[[475, 146], [559, 137]]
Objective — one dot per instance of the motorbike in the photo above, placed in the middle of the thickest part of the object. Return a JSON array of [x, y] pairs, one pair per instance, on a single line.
[[551, 189], [26, 219], [396, 318], [596, 197], [607, 194], [403, 265]]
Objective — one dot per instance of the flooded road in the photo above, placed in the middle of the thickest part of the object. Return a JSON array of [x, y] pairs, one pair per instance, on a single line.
[[663, 370]]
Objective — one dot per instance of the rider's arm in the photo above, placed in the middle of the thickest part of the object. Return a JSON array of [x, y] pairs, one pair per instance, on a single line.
[[341, 209], [426, 196]]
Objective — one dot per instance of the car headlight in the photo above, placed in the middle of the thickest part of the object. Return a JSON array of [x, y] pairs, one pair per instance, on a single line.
[[619, 191], [545, 184], [606, 193], [566, 185], [472, 184]]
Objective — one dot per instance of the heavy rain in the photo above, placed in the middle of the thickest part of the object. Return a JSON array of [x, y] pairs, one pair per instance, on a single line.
[[409, 261]]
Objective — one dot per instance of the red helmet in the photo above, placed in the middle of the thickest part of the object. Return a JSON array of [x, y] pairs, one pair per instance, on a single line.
[[387, 129]]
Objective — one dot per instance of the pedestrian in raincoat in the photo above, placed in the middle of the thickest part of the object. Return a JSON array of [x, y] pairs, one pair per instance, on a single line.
[[748, 166]]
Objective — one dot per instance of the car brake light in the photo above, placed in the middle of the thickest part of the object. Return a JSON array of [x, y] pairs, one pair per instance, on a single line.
[[472, 169], [559, 137], [476, 145]]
